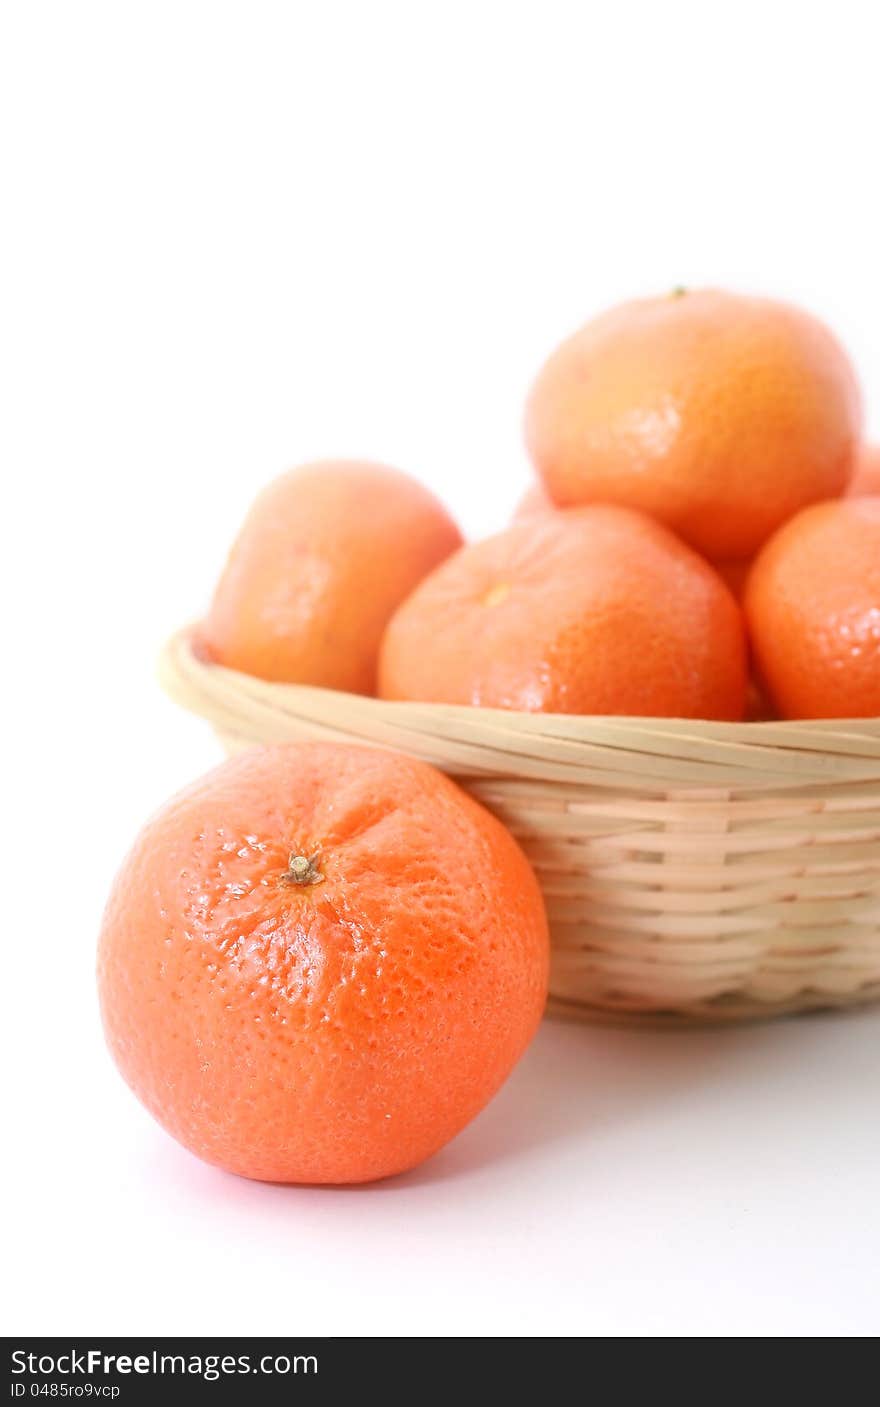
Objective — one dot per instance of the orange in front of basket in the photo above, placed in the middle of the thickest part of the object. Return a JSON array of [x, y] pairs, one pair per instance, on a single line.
[[320, 961]]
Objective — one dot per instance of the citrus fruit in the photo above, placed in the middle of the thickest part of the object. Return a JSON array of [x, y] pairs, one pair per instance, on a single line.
[[719, 415], [594, 610], [866, 477], [325, 555], [320, 961], [812, 602]]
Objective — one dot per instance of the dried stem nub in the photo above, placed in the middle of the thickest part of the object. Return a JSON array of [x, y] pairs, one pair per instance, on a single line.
[[302, 869]]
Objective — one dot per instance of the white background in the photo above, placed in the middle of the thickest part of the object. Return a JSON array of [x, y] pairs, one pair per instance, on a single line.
[[235, 236]]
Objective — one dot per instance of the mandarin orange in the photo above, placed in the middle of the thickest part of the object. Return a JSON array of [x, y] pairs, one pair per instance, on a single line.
[[719, 415], [326, 554], [593, 610], [320, 961], [812, 603]]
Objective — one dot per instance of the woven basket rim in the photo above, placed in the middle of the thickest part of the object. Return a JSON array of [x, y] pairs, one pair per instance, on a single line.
[[686, 751], [766, 733], [692, 871]]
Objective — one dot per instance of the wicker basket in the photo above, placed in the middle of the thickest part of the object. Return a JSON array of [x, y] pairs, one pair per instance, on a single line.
[[692, 871]]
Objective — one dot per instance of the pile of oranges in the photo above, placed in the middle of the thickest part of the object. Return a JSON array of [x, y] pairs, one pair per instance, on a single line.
[[320, 961], [703, 539]]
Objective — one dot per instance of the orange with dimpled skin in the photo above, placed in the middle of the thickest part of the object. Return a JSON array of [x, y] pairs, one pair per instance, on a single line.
[[718, 415], [326, 554], [320, 961], [593, 610], [812, 603]]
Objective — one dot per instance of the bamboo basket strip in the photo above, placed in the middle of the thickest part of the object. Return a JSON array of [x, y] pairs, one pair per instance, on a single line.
[[692, 871]]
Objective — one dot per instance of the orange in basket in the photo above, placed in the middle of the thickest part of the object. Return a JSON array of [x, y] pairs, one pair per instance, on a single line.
[[326, 554], [595, 610], [319, 962], [719, 415], [813, 605]]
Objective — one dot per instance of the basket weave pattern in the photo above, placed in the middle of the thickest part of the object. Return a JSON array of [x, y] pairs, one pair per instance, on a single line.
[[701, 871]]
